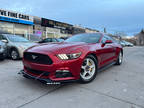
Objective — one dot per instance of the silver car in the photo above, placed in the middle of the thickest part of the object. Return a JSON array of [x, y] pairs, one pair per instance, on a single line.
[[2, 50], [16, 45]]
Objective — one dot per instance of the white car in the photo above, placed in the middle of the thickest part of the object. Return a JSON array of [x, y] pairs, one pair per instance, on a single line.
[[125, 43], [2, 50], [16, 45]]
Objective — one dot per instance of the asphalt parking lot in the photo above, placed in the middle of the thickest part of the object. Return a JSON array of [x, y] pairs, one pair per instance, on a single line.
[[117, 87]]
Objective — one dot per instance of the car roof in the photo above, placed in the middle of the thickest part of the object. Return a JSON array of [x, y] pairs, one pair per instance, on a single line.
[[49, 38], [92, 33], [6, 34], [10, 35]]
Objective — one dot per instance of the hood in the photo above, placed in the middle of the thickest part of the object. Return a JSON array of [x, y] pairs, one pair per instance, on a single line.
[[24, 44], [2, 43], [57, 48]]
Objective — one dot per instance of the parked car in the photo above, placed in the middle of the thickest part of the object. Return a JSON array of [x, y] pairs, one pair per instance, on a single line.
[[15, 45], [128, 44], [125, 43], [47, 40], [64, 38], [78, 58], [2, 50], [60, 40]]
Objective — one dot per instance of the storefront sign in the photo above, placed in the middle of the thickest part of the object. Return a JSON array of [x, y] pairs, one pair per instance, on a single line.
[[38, 33], [15, 17], [55, 24]]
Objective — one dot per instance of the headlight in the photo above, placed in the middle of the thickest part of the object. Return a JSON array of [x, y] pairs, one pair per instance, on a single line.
[[69, 56]]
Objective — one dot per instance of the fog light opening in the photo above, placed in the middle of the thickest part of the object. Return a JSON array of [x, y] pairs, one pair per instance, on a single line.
[[63, 73]]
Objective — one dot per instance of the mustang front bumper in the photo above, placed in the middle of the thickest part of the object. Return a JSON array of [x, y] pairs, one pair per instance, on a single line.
[[44, 80]]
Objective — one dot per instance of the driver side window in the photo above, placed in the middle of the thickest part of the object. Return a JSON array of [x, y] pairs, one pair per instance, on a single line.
[[54, 40], [104, 39], [107, 38], [48, 40], [2, 37]]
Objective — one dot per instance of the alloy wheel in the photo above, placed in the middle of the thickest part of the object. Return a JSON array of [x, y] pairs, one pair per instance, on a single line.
[[88, 69], [14, 55]]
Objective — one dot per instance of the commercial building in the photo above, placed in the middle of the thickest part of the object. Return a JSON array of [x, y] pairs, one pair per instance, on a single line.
[[35, 28], [89, 30], [15, 23], [78, 29], [140, 38]]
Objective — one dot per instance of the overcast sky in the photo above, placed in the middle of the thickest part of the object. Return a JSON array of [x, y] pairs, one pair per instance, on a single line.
[[116, 15]]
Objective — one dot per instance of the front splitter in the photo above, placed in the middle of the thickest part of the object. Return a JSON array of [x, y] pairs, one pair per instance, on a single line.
[[45, 81]]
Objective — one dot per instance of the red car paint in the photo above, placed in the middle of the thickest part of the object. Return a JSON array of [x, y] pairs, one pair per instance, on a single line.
[[105, 54]]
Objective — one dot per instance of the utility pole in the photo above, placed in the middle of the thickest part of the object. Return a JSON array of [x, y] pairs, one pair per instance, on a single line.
[[104, 30]]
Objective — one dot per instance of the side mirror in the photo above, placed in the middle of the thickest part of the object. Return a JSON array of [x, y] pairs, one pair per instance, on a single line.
[[5, 41], [108, 41]]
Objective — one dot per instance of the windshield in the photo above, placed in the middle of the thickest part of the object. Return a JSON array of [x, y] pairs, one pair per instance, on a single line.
[[16, 38], [88, 38], [60, 40]]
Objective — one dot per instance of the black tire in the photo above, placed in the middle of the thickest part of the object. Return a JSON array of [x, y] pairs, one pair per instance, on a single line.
[[84, 81], [119, 59], [14, 54], [1, 59]]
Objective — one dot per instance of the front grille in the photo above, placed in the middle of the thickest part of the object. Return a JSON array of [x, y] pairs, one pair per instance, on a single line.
[[37, 72], [38, 58]]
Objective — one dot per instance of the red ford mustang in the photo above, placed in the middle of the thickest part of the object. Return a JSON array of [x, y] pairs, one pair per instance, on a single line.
[[78, 58]]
